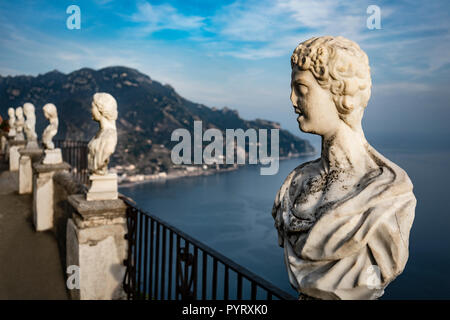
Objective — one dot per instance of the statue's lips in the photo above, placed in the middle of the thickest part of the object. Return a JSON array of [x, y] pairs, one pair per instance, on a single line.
[[298, 111]]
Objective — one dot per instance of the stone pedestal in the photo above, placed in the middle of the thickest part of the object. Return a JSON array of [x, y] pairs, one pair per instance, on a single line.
[[3, 143], [52, 156], [96, 244], [14, 155], [27, 157], [32, 145], [43, 194], [103, 187]]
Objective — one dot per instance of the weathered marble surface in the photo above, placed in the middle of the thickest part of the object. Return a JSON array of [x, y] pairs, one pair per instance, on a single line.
[[103, 185], [11, 122], [102, 146], [27, 157], [19, 123], [343, 219], [43, 194], [30, 125], [96, 243], [14, 155], [50, 113]]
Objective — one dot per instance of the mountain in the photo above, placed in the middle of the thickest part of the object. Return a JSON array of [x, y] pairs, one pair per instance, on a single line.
[[148, 113]]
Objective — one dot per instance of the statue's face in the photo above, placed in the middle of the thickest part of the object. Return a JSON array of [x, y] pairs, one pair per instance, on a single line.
[[11, 113], [95, 113], [19, 113], [314, 105], [46, 115]]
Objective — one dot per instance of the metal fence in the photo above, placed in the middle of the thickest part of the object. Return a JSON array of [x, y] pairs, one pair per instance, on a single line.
[[164, 263], [75, 153]]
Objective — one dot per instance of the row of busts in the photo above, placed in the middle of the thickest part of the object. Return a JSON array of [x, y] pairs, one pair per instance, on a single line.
[[100, 147], [18, 124]]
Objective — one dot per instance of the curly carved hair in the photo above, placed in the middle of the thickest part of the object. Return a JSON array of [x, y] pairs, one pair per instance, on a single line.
[[51, 110], [338, 64], [106, 104]]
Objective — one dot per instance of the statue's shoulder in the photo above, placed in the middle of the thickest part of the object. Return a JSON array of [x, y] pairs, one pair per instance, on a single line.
[[296, 176], [398, 176]]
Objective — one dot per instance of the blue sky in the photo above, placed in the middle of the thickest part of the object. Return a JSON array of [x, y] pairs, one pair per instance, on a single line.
[[236, 53]]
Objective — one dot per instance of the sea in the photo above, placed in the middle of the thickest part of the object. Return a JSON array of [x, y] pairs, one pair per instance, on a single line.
[[231, 212]]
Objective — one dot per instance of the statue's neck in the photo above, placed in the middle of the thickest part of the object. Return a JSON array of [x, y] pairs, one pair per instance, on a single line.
[[345, 149], [106, 124]]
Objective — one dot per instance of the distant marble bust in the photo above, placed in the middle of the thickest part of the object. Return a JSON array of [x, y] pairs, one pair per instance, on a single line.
[[50, 113], [11, 122], [344, 219], [30, 123], [102, 146], [19, 123]]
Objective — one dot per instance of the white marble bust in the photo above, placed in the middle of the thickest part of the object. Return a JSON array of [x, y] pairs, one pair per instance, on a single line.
[[30, 125], [51, 114], [11, 122], [343, 219], [19, 123], [102, 146]]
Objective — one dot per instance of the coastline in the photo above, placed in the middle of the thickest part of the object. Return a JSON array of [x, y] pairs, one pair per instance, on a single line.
[[178, 174]]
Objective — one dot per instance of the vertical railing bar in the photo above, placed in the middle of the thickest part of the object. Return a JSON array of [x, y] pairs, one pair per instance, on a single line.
[[177, 269], [139, 250], [204, 274], [185, 285], [253, 292], [134, 257], [163, 262], [152, 242], [157, 260], [225, 285], [214, 288], [169, 285], [145, 255], [239, 287], [269, 295], [195, 270]]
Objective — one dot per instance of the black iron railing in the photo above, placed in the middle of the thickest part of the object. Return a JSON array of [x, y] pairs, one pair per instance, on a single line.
[[75, 153], [164, 263]]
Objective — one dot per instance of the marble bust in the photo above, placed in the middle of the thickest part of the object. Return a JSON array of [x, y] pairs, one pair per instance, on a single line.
[[11, 122], [30, 125], [344, 219], [52, 155], [101, 147], [19, 123], [51, 114]]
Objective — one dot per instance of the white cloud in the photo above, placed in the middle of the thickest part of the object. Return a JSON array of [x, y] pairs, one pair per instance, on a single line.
[[164, 16]]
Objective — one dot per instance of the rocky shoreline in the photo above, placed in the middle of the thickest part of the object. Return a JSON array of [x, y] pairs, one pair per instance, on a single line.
[[177, 174]]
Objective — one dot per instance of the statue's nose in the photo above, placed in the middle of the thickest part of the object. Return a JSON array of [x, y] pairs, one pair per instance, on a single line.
[[293, 98]]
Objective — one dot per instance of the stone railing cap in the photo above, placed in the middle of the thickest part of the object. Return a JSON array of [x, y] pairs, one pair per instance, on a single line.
[[40, 167], [31, 151], [98, 208], [17, 142]]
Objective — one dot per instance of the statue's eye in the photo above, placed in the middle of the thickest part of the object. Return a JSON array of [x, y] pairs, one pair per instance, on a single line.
[[302, 89]]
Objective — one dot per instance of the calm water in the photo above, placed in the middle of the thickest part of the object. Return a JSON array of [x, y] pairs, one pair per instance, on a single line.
[[231, 212]]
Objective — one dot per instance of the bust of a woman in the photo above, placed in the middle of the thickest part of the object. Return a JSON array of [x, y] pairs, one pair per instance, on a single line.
[[30, 124], [19, 123], [11, 122], [343, 219], [104, 111], [50, 113]]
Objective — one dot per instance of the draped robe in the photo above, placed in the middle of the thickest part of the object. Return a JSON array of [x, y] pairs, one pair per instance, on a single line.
[[358, 243]]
